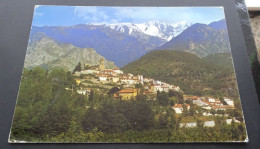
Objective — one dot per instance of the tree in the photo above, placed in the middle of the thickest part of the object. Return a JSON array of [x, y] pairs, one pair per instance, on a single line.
[[192, 110], [171, 93], [58, 74], [139, 85], [223, 101], [173, 100], [91, 96], [185, 111], [139, 113], [77, 68], [92, 119], [213, 112], [113, 90], [163, 98], [180, 98], [112, 119], [179, 122]]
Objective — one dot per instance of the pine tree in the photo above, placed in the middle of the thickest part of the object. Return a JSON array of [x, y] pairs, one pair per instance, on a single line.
[[77, 68]]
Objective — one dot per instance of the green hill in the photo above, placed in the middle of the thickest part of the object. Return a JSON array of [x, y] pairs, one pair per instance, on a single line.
[[194, 75], [223, 60]]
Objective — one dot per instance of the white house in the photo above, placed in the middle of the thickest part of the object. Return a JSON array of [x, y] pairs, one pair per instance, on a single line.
[[193, 124], [199, 102], [207, 114], [178, 108], [157, 82], [229, 101], [118, 71], [176, 88], [209, 123], [102, 78], [141, 78], [82, 92], [158, 88], [210, 99], [114, 79]]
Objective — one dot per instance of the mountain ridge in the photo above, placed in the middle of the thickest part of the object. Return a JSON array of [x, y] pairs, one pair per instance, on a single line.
[[201, 39], [49, 54]]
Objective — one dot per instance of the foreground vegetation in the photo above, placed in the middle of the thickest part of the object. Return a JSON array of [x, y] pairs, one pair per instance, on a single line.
[[47, 112]]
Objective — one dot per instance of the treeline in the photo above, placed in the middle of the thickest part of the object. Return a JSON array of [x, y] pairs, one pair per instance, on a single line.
[[47, 112]]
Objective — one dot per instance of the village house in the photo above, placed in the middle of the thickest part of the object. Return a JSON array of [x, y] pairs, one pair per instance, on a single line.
[[206, 107], [82, 92], [77, 74], [126, 94], [102, 77], [114, 79], [211, 99], [148, 80], [188, 125], [223, 107], [229, 101], [157, 88], [213, 102], [129, 79], [78, 81], [118, 71], [199, 102], [141, 79], [176, 88], [209, 124], [178, 108], [157, 82], [89, 71]]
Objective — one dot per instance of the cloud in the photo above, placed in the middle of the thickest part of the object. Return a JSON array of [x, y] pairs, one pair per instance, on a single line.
[[91, 14], [99, 14]]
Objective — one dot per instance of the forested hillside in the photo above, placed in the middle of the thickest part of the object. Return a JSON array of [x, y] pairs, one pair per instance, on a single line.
[[212, 75]]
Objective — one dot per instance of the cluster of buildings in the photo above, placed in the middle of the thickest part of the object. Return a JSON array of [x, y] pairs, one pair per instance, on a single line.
[[207, 103], [116, 76]]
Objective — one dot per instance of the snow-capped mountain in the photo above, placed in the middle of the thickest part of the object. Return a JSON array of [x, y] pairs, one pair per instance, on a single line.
[[163, 30]]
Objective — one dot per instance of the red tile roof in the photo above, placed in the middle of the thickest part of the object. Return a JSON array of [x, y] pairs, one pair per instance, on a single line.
[[127, 91], [180, 106]]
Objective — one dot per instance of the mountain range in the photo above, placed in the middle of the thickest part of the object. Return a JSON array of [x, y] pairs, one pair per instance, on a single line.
[[123, 43]]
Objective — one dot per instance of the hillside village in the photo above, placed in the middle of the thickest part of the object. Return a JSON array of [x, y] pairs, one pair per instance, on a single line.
[[108, 78], [115, 77]]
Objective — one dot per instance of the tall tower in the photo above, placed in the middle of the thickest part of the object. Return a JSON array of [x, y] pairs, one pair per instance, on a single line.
[[101, 64]]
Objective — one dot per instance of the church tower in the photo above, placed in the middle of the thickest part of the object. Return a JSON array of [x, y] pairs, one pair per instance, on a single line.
[[101, 64]]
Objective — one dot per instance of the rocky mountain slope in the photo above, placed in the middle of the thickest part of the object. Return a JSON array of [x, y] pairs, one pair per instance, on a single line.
[[47, 53]]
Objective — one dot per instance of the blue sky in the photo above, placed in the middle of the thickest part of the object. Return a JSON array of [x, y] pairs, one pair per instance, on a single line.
[[71, 15]]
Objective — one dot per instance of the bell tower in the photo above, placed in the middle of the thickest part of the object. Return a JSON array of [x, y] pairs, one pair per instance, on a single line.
[[101, 64]]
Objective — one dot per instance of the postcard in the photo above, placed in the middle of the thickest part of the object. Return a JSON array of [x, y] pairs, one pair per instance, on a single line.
[[105, 74]]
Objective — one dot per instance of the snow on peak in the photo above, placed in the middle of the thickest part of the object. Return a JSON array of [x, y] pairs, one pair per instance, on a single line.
[[164, 30]]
